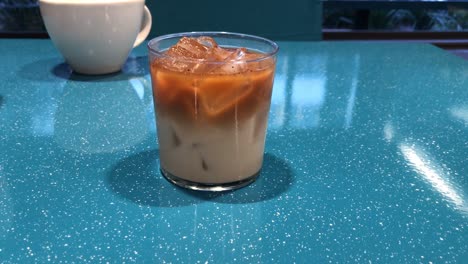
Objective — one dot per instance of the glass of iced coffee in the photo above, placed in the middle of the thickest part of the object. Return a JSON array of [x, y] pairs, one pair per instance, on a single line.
[[212, 93]]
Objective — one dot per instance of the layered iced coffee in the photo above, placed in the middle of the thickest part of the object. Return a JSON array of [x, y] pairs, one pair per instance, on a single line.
[[212, 105]]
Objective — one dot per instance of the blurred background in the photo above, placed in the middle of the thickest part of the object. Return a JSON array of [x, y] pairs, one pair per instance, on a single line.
[[20, 17], [388, 15], [440, 22]]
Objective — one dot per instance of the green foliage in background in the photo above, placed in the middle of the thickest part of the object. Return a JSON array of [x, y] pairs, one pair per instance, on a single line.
[[451, 19], [20, 15]]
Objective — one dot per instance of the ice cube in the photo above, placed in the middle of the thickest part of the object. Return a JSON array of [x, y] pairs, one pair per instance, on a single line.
[[237, 55], [185, 53], [219, 54], [219, 95], [204, 55], [188, 48], [234, 61], [208, 42], [231, 68]]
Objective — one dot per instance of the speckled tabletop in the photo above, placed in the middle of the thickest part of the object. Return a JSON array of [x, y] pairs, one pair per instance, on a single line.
[[366, 162]]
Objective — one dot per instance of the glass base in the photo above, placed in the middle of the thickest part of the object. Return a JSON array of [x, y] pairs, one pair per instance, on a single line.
[[208, 187]]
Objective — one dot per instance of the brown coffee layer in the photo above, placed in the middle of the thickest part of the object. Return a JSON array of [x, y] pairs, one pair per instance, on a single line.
[[220, 99]]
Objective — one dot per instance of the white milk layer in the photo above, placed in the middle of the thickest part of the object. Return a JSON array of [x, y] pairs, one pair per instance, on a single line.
[[210, 154]]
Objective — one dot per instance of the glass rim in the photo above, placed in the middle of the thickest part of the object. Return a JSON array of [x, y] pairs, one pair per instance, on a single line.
[[234, 35]]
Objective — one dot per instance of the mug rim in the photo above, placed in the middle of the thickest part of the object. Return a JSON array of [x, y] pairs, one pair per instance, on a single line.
[[234, 35]]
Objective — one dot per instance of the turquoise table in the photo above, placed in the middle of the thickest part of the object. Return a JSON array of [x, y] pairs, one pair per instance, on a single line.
[[366, 162]]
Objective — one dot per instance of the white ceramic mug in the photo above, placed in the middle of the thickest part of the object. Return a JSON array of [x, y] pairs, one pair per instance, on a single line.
[[96, 36]]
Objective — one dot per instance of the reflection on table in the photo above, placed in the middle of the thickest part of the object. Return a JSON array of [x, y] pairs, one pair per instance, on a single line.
[[366, 158]]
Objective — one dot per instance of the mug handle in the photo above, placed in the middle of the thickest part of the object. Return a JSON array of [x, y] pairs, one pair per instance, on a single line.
[[146, 27]]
